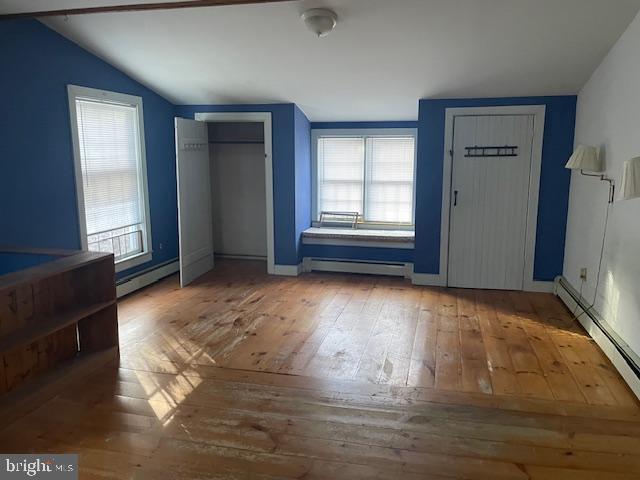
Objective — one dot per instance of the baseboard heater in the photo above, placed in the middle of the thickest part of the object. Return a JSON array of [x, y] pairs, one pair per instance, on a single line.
[[369, 267], [230, 256], [617, 349], [143, 278]]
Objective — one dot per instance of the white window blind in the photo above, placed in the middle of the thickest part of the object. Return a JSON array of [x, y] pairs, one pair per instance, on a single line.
[[340, 185], [108, 141], [389, 182], [371, 175]]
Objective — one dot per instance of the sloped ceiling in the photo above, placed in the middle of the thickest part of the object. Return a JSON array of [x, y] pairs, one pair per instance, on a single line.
[[382, 57]]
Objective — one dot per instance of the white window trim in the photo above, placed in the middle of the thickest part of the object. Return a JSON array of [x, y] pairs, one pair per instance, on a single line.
[[74, 92], [361, 132]]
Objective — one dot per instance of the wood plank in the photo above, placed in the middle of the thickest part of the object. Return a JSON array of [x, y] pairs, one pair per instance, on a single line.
[[475, 373], [529, 374], [499, 363], [456, 406], [397, 361], [343, 345], [312, 336], [290, 435], [371, 364], [448, 367], [423, 354], [137, 415], [556, 371], [591, 383]]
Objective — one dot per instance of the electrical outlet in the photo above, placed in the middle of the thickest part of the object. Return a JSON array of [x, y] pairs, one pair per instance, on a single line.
[[583, 274], [160, 246]]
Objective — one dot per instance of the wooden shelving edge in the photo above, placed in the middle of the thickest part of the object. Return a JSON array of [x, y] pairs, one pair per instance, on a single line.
[[35, 330], [29, 396], [54, 267]]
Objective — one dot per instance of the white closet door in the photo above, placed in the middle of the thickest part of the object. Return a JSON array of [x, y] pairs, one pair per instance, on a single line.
[[489, 200], [194, 199]]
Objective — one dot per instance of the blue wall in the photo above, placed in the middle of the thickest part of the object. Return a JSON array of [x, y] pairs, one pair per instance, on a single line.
[[13, 262], [283, 123], [302, 147], [37, 197], [554, 181]]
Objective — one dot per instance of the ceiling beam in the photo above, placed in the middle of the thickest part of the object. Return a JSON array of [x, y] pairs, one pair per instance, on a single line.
[[135, 7]]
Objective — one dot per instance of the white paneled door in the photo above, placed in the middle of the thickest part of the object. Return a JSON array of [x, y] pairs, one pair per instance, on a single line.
[[195, 227], [489, 200]]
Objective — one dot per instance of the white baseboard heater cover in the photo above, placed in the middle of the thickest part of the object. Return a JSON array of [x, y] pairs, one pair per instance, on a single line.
[[146, 277], [395, 269], [624, 359]]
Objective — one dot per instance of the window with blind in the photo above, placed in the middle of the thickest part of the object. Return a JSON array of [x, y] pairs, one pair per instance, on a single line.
[[111, 173], [371, 174]]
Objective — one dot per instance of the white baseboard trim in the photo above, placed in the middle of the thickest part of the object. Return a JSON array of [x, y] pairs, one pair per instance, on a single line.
[[367, 268], [539, 286], [428, 279], [287, 270], [598, 335], [146, 279]]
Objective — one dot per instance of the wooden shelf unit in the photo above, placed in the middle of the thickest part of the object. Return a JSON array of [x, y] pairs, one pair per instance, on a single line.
[[54, 313]]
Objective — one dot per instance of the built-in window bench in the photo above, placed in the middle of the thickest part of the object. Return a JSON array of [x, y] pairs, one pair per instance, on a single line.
[[382, 252], [359, 237]]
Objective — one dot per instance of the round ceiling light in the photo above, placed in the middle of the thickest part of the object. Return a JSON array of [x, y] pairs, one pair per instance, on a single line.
[[320, 20]]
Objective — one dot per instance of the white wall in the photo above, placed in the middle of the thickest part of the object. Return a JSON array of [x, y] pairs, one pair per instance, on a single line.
[[238, 189], [608, 116]]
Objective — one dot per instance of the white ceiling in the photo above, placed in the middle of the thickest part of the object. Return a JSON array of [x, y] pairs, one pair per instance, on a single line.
[[382, 57]]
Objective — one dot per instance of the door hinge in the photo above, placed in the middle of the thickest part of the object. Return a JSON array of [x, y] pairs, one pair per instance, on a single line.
[[451, 153]]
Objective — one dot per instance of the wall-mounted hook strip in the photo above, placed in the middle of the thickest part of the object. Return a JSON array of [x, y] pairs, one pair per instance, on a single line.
[[492, 151]]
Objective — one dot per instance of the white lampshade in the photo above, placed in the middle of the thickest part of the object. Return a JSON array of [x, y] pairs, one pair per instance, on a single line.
[[586, 158], [631, 179]]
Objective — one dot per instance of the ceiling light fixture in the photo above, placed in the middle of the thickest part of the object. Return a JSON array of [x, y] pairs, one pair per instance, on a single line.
[[320, 21]]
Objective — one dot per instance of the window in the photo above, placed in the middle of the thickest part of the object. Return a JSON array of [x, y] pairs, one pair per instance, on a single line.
[[371, 173], [108, 138]]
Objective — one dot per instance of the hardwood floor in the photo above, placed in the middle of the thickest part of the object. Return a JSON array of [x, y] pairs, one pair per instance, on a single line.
[[369, 329], [333, 376]]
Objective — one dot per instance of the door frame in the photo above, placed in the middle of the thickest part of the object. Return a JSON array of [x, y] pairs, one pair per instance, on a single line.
[[265, 119], [538, 112]]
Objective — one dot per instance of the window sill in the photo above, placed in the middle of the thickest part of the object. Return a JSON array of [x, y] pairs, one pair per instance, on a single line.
[[366, 226], [133, 261], [359, 237]]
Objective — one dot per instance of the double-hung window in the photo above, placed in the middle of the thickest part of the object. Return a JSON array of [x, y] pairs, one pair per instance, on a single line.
[[111, 179], [371, 172]]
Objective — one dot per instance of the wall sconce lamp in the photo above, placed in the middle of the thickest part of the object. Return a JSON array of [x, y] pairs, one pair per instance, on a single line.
[[589, 158], [631, 179]]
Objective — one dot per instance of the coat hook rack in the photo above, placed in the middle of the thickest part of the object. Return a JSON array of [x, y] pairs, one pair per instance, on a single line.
[[492, 151]]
